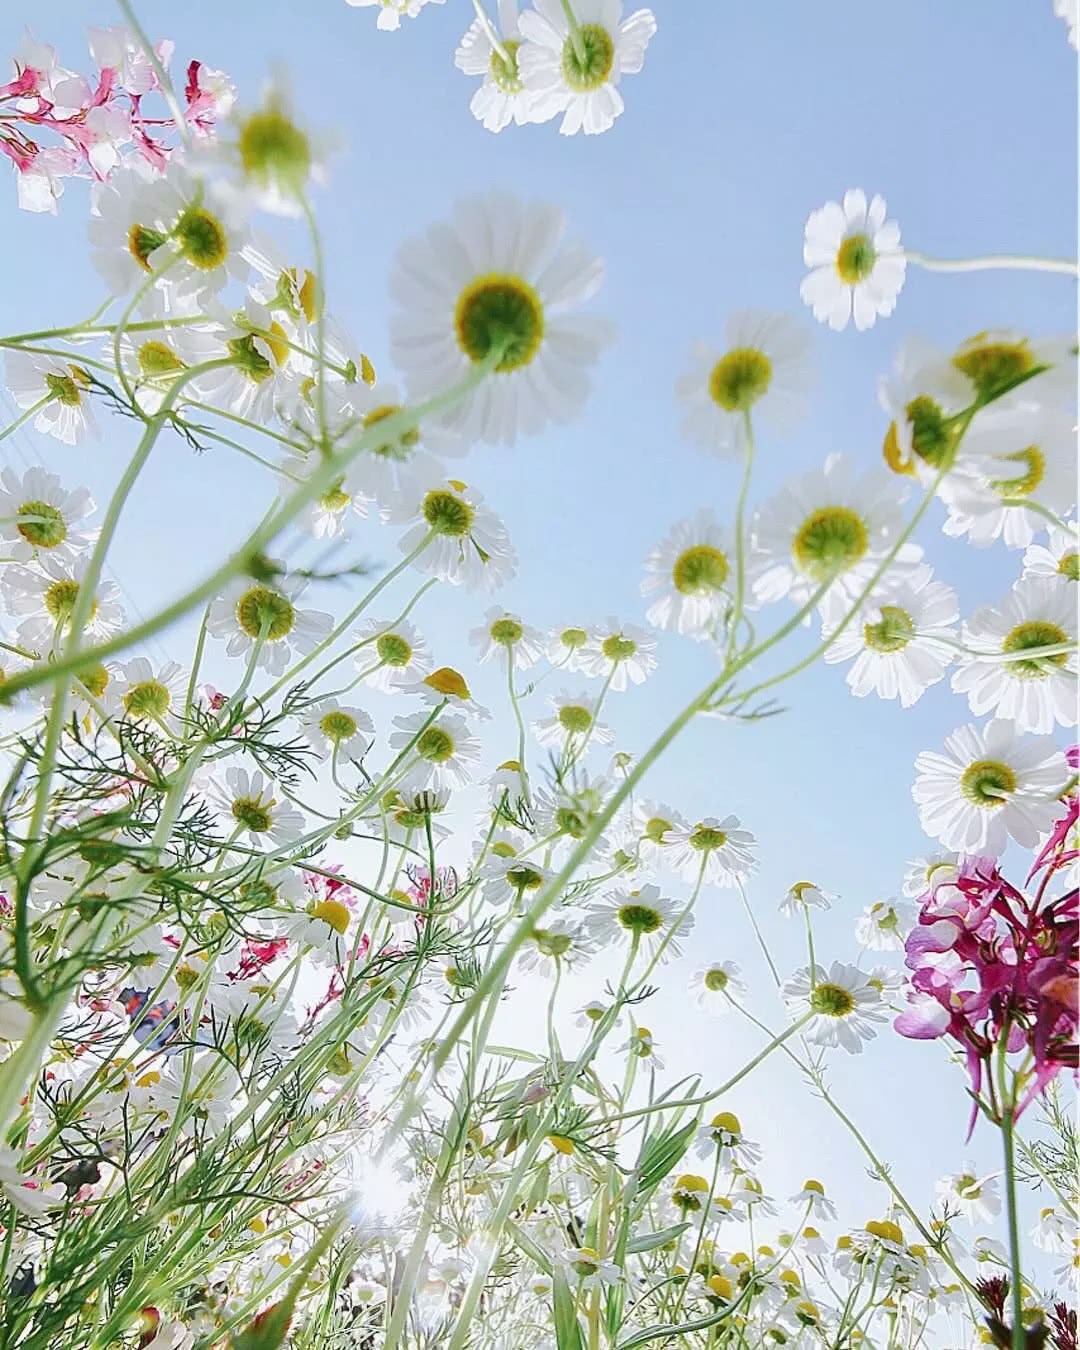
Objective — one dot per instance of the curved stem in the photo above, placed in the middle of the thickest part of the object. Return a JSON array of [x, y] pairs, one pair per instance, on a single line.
[[994, 261]]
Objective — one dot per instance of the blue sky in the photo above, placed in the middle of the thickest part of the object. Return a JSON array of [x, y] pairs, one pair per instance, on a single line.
[[746, 117]]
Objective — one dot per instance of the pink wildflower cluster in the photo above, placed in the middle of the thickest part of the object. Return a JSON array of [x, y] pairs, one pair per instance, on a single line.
[[99, 120], [993, 964]]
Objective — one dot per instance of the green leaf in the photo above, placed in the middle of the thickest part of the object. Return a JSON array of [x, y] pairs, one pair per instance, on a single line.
[[567, 1328], [659, 1154], [646, 1242]]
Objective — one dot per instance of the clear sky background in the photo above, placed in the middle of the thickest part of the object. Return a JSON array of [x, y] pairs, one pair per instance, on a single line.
[[746, 117]]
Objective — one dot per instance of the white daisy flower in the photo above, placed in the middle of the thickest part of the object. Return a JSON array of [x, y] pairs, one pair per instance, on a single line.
[[264, 373], [447, 686], [59, 389], [655, 827], [826, 528], [585, 1269], [329, 515], [1033, 692], [390, 654], [573, 718], [1053, 1231], [642, 1045], [386, 469], [623, 654], [899, 642], [1012, 457], [321, 931], [714, 986], [506, 877], [250, 611], [568, 648], [1000, 361], [26, 1193], [719, 851], [1059, 557], [334, 727], [571, 808], [857, 264], [689, 574], [724, 1132], [922, 874], [883, 925], [813, 1197], [391, 12], [556, 945], [845, 1005], [886, 980], [505, 632], [247, 804], [444, 751], [495, 278], [975, 1197], [644, 915], [989, 784], [38, 515], [208, 1087], [922, 397], [468, 543], [502, 97], [577, 75], [764, 369], [153, 359], [141, 692], [44, 597]]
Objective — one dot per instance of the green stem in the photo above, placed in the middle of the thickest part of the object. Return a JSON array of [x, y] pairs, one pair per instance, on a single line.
[[993, 261]]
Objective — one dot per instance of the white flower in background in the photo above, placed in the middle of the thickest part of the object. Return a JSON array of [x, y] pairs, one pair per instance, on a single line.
[[573, 719], [447, 686], [443, 751], [1010, 457], [555, 945], [211, 1094], [924, 394], [26, 1193], [715, 986], [857, 264], [44, 597], [1059, 557], [721, 852], [1069, 12], [975, 1197], [642, 1045], [1054, 1231], [577, 75], [568, 648], [58, 389], [335, 727], [812, 1197], [38, 515], [846, 1007], [655, 829], [153, 359], [390, 654], [329, 515], [386, 470], [991, 783], [250, 804], [923, 873], [391, 12], [1035, 692], [468, 544], [623, 654], [1001, 361], [497, 278], [250, 612], [506, 633], [764, 370], [689, 573], [724, 1132], [502, 97], [586, 1270], [321, 930], [506, 876], [264, 374], [883, 925], [886, 980], [140, 691], [827, 531], [642, 915], [900, 642]]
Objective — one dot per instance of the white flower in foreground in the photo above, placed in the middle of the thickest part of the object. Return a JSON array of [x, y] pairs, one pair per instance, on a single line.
[[721, 852], [335, 727], [826, 531], [586, 1269], [142, 692], [390, 655], [505, 632], [975, 1197], [249, 803], [857, 264], [1059, 557], [391, 12], [58, 389], [44, 597], [883, 925], [573, 719], [497, 279], [715, 986], [37, 515], [922, 396], [655, 828], [445, 753], [764, 369], [263, 373], [321, 930], [578, 75], [689, 573], [900, 643], [251, 612], [642, 915], [804, 895], [556, 945], [622, 653], [502, 97], [989, 784], [1032, 691], [845, 1005], [467, 543]]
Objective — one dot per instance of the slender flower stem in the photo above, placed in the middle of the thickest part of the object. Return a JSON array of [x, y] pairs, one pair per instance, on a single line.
[[994, 261], [575, 32]]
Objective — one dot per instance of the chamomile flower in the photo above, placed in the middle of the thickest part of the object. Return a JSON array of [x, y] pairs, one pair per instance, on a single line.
[[390, 654], [857, 264], [154, 359], [622, 653], [447, 686], [642, 1045], [442, 750], [568, 648], [721, 852], [724, 1132], [496, 279], [25, 1192], [586, 1269], [715, 986], [555, 945], [44, 597], [883, 925], [329, 515], [38, 516], [503, 632], [59, 390], [254, 612], [570, 809], [825, 532], [321, 930], [390, 463], [990, 784], [343, 731], [845, 1006], [922, 874], [923, 398], [689, 573], [642, 915], [573, 719], [263, 372], [655, 829], [1059, 557], [812, 1196], [577, 73], [1000, 361], [899, 641], [763, 370], [975, 1197], [506, 877], [1053, 1231], [141, 692], [502, 96], [391, 12], [250, 804], [1033, 691], [467, 543]]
